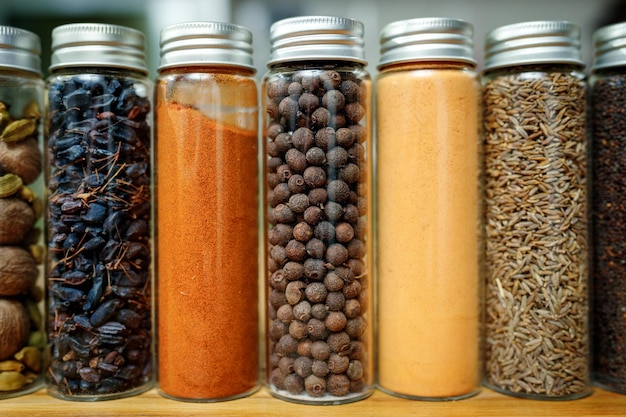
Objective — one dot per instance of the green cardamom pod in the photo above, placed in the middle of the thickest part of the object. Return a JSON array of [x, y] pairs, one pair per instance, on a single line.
[[10, 381], [31, 357], [10, 184], [31, 111], [19, 130], [11, 365]]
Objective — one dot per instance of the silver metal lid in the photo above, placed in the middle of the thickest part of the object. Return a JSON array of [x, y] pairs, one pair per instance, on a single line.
[[609, 46], [427, 39], [20, 49], [539, 42], [310, 38], [202, 43], [98, 45]]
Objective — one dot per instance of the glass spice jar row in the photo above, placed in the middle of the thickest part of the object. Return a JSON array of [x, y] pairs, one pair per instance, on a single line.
[[482, 199]]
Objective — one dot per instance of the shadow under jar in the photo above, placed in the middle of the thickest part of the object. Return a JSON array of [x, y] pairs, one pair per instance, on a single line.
[[317, 151], [98, 274]]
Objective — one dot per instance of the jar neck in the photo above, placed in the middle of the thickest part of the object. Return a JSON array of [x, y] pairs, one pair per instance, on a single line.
[[316, 64], [427, 65], [547, 67], [126, 72], [214, 69]]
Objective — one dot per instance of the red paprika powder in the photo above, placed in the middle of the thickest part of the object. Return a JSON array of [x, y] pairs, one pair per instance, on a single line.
[[207, 231]]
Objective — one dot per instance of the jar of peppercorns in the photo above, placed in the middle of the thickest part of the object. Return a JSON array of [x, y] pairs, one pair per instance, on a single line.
[[98, 272], [21, 189], [317, 157], [608, 206], [536, 212], [206, 147]]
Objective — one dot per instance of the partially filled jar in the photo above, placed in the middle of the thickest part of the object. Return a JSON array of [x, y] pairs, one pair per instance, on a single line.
[[536, 183], [206, 144], [608, 202], [22, 337], [428, 210], [317, 178], [98, 273]]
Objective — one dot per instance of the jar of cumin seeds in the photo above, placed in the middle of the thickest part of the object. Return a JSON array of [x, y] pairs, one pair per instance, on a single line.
[[317, 158], [21, 189], [536, 262], [99, 266], [608, 202]]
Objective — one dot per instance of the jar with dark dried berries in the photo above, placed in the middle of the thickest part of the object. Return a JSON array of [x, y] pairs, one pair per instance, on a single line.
[[98, 270], [318, 149]]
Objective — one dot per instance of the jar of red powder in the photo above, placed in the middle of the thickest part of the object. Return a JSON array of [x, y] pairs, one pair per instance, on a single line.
[[207, 213], [317, 179]]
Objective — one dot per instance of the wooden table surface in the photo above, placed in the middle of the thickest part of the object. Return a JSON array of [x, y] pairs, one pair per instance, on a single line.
[[487, 403]]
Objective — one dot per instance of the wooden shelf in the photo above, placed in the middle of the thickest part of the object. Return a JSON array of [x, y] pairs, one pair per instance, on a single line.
[[487, 403]]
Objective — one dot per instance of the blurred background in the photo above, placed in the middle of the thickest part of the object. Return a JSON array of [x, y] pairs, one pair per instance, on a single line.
[[150, 16]]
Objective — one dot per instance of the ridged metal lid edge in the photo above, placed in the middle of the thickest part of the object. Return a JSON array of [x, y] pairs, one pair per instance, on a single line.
[[308, 38], [431, 38], [20, 49], [609, 46], [206, 43], [535, 42], [98, 44]]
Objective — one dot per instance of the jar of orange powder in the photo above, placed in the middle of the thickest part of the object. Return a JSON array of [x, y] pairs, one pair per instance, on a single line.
[[207, 222], [428, 210]]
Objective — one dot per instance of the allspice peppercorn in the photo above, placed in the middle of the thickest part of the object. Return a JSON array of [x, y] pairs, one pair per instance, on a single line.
[[320, 368], [315, 385], [294, 383], [336, 320], [320, 350], [303, 366]]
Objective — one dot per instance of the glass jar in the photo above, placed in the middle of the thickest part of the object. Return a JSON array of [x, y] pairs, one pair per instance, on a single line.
[[608, 206], [428, 212], [99, 229], [206, 142], [317, 159], [21, 190], [537, 275]]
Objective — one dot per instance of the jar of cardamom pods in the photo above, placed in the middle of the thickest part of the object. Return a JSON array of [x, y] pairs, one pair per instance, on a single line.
[[21, 188]]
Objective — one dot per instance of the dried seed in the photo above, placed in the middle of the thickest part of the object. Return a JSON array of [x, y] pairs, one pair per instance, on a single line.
[[19, 130]]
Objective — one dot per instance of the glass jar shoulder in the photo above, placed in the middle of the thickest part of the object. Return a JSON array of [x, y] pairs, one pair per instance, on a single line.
[[18, 89], [415, 72], [313, 76], [548, 72], [612, 76], [98, 81], [194, 86]]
